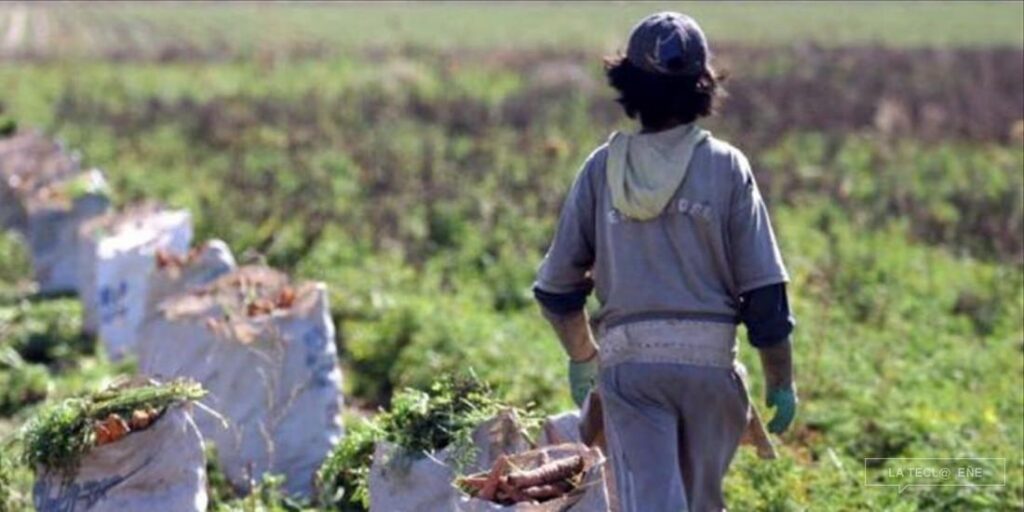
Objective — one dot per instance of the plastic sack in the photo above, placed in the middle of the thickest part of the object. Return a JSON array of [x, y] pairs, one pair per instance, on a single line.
[[116, 260], [265, 352], [424, 482], [54, 215], [160, 468], [89, 235]]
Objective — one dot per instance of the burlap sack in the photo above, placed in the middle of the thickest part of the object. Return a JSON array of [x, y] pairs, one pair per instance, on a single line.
[[271, 372], [160, 468]]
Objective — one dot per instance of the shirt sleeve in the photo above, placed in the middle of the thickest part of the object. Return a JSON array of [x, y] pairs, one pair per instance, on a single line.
[[564, 275], [754, 254], [765, 312]]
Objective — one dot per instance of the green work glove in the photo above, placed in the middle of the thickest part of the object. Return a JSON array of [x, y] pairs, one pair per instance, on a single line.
[[582, 377], [784, 401]]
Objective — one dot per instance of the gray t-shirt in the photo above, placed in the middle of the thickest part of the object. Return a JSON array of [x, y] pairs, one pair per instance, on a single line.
[[712, 243]]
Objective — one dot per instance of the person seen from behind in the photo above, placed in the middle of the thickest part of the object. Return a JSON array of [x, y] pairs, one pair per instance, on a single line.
[[668, 227]]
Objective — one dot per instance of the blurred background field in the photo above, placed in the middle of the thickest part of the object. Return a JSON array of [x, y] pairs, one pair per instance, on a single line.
[[114, 29], [415, 158]]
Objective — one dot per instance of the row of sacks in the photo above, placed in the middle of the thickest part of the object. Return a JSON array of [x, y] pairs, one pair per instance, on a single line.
[[262, 345], [263, 349], [259, 343]]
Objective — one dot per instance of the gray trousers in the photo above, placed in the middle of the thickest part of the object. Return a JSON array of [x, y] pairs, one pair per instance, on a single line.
[[672, 431]]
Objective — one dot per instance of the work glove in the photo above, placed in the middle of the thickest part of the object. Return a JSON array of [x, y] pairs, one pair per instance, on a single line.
[[582, 378], [784, 401], [777, 363]]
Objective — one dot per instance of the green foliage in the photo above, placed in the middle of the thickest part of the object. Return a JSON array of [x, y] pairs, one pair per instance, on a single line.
[[8, 126], [11, 499], [343, 478], [267, 496], [269, 33], [422, 335], [58, 436], [218, 488], [891, 364], [46, 331], [14, 266], [21, 383]]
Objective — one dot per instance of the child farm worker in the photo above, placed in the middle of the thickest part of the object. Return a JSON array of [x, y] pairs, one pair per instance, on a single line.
[[668, 227]]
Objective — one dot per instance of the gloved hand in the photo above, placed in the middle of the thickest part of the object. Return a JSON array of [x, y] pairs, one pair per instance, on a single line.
[[582, 378], [784, 401]]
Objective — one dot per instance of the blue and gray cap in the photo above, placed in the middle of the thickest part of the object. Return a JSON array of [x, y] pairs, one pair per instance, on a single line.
[[668, 43]]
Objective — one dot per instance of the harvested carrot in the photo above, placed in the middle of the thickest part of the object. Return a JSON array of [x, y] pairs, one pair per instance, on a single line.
[[498, 471], [286, 298], [509, 492], [164, 258], [142, 419], [260, 307], [547, 491], [473, 482], [548, 473], [110, 430]]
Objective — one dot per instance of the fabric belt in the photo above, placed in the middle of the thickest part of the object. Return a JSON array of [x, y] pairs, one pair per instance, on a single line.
[[669, 341]]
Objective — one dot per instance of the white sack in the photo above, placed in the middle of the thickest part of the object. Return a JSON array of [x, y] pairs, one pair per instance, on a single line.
[[89, 235], [123, 258], [54, 216], [160, 468], [274, 378], [561, 428], [424, 482]]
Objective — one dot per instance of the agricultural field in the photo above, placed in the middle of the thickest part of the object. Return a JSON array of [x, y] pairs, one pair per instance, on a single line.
[[415, 157]]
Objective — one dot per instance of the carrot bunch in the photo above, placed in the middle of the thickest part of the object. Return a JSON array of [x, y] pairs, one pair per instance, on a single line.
[[114, 427], [507, 484], [284, 299], [60, 434]]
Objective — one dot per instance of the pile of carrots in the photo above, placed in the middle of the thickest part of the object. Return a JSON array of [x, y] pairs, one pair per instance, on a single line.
[[506, 484], [113, 428], [284, 299], [166, 259]]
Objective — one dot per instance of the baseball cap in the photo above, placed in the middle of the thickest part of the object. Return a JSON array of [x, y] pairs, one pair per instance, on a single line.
[[668, 43]]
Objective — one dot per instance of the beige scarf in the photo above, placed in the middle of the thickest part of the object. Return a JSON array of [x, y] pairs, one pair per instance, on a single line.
[[645, 170]]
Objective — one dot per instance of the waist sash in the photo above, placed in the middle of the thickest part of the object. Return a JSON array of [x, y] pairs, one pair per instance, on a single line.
[[669, 341]]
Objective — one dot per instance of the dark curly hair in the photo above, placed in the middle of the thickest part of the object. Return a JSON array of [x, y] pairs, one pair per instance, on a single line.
[[662, 100]]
